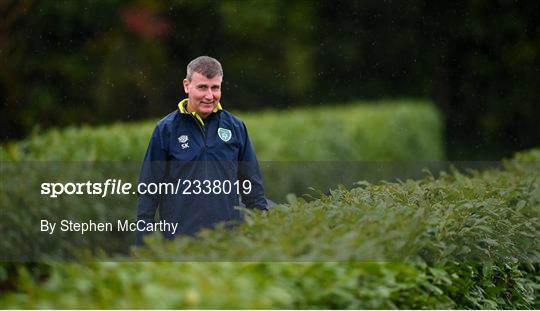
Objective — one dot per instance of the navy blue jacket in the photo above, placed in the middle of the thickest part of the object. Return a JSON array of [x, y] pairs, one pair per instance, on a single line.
[[183, 147]]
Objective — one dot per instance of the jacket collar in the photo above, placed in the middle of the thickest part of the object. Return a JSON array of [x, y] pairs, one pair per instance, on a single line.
[[182, 105]]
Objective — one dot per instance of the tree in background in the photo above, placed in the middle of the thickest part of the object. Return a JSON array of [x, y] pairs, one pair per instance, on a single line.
[[92, 62]]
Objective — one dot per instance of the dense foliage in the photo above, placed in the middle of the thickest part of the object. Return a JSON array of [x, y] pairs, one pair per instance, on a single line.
[[385, 130], [73, 62], [408, 131], [453, 241]]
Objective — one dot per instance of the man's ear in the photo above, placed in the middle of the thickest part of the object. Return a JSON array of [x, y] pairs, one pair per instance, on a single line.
[[186, 85]]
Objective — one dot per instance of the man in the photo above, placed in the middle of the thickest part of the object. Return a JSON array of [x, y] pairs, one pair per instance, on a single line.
[[205, 152]]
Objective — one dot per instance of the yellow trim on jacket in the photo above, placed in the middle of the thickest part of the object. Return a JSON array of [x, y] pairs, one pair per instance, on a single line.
[[182, 105]]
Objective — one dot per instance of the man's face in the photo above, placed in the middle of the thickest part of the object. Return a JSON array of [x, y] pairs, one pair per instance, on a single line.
[[203, 93]]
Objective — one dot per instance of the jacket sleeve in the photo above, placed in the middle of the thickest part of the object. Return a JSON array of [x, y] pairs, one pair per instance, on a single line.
[[248, 169], [153, 170]]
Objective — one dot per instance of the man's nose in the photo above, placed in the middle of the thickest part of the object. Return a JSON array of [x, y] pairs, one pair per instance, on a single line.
[[209, 94]]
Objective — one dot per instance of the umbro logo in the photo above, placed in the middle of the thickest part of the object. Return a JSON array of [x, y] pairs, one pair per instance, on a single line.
[[182, 139]]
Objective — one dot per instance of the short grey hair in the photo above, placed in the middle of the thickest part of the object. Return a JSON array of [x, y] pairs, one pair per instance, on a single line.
[[205, 65]]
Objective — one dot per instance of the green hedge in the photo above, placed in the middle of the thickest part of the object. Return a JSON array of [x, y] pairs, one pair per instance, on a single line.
[[391, 130], [349, 132], [465, 241]]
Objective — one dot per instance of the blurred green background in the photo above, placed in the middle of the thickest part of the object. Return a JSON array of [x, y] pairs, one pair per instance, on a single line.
[[94, 62], [395, 81]]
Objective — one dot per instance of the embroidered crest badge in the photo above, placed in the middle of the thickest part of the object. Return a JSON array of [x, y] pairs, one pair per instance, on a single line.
[[224, 134]]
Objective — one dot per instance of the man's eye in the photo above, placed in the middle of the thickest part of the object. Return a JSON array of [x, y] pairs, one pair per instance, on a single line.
[[215, 88]]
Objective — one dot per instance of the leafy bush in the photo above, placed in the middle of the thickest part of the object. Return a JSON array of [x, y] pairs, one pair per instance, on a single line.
[[455, 241], [527, 156], [488, 215], [393, 130]]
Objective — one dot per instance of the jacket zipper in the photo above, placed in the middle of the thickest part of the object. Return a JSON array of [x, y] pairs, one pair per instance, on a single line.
[[203, 130]]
